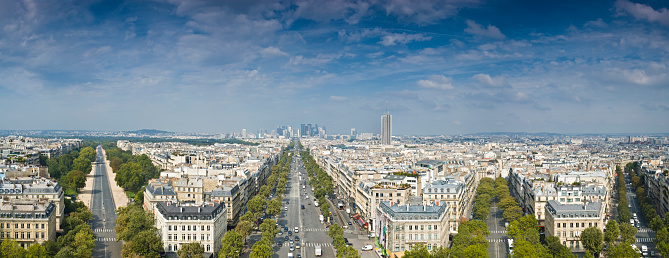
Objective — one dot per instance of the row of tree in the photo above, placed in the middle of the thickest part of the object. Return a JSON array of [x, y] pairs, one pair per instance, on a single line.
[[508, 204], [136, 227], [71, 169], [132, 171], [321, 181], [343, 250], [233, 240]]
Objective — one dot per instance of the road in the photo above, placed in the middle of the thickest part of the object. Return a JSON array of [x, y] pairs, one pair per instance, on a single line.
[[311, 231], [497, 237], [644, 235], [104, 212]]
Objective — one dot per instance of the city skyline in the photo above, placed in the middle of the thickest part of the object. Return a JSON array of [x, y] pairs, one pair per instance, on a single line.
[[440, 67]]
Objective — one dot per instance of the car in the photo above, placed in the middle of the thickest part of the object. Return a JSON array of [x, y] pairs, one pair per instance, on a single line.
[[291, 241], [297, 238], [652, 253], [367, 247], [285, 228], [303, 206], [285, 238], [349, 223], [285, 208], [296, 230], [279, 244], [290, 233], [299, 256], [280, 233], [297, 245], [292, 248]]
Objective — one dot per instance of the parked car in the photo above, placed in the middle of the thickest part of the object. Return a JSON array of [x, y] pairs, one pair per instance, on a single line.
[[367, 247], [292, 247]]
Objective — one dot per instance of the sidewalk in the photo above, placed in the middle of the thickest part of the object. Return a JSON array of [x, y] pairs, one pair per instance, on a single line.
[[87, 192], [120, 199]]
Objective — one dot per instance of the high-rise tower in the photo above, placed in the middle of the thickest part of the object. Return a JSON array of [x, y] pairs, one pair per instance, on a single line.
[[386, 128]]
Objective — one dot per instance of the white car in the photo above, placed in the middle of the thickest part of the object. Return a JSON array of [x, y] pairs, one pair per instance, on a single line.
[[367, 247], [285, 208]]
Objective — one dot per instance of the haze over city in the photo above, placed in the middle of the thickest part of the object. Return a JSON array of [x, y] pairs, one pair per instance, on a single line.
[[439, 67]]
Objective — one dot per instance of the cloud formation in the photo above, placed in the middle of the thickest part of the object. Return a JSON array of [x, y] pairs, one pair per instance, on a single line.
[[437, 82], [478, 30], [644, 12]]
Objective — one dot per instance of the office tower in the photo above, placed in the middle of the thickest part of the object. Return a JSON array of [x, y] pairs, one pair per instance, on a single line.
[[386, 128], [243, 133]]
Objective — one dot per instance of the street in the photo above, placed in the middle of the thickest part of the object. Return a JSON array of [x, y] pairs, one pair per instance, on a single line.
[[104, 212], [644, 235], [497, 237]]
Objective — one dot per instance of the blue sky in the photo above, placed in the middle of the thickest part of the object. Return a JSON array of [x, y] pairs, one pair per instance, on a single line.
[[439, 67]]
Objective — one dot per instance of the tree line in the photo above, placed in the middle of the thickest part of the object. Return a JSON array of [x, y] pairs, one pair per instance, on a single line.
[[71, 168], [132, 171]]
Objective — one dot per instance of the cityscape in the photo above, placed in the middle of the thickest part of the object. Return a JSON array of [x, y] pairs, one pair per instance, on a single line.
[[347, 129]]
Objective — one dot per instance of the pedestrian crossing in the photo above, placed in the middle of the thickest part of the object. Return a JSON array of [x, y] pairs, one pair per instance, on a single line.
[[498, 232], [106, 239], [315, 244], [645, 240], [314, 229], [495, 240], [103, 230], [644, 230]]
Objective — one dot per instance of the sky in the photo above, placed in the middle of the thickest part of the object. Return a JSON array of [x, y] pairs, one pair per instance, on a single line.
[[438, 67]]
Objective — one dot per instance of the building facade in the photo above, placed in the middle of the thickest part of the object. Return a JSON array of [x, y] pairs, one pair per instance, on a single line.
[[28, 221], [178, 225], [386, 129], [567, 221]]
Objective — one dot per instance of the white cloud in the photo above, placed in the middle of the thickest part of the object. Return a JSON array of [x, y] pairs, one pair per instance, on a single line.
[[478, 30], [644, 12], [489, 81], [425, 12], [402, 39], [338, 98], [437, 82], [272, 51]]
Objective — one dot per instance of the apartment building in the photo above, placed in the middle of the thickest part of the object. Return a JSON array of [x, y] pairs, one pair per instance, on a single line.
[[178, 225], [158, 191], [567, 221], [189, 190], [372, 193], [35, 188], [28, 221], [229, 195], [400, 227], [451, 192]]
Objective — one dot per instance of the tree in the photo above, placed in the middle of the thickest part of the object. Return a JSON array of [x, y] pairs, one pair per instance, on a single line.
[[338, 241], [132, 220], [257, 204], [612, 232], [622, 251], [270, 227], [662, 242], [335, 230], [146, 243], [557, 249], [84, 241], [274, 207], [261, 250], [525, 228], [37, 251], [350, 252], [51, 247], [507, 202], [523, 248], [190, 250], [656, 224], [592, 239], [76, 179], [244, 228], [512, 213], [82, 164], [11, 249], [627, 233], [232, 245], [88, 153], [417, 251]]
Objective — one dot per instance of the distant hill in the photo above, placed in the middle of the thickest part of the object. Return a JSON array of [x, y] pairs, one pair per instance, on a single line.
[[149, 132]]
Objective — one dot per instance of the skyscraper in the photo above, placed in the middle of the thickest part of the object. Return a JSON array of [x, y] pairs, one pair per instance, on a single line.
[[386, 128]]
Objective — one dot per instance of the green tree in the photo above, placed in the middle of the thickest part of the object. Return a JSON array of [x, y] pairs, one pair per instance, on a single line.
[[512, 213], [84, 241], [507, 202], [244, 228], [66, 252], [190, 250], [232, 245], [476, 251], [261, 250], [257, 204], [82, 164], [348, 252], [11, 249], [76, 179], [525, 228], [335, 230], [662, 242], [622, 251], [51, 247], [557, 249], [88, 153], [627, 233], [146, 243], [593, 240], [132, 220], [417, 251], [37, 251], [270, 227], [523, 248], [339, 241], [656, 224], [612, 232], [274, 207]]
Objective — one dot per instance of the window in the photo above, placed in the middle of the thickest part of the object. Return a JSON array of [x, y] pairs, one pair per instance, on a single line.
[[571, 225], [28, 235], [422, 237], [390, 195], [397, 248], [561, 199], [195, 237], [582, 224], [571, 233], [183, 236], [402, 236], [399, 194], [397, 236], [429, 246], [169, 247], [169, 227], [410, 227], [436, 236], [183, 228], [429, 227], [202, 227], [21, 225], [208, 227], [590, 224], [208, 248], [429, 236], [564, 225], [16, 225], [202, 236], [23, 235], [435, 227], [28, 226], [42, 234], [595, 224], [188, 227], [410, 236], [169, 236], [564, 234], [422, 227], [576, 224], [16, 235], [558, 225]]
